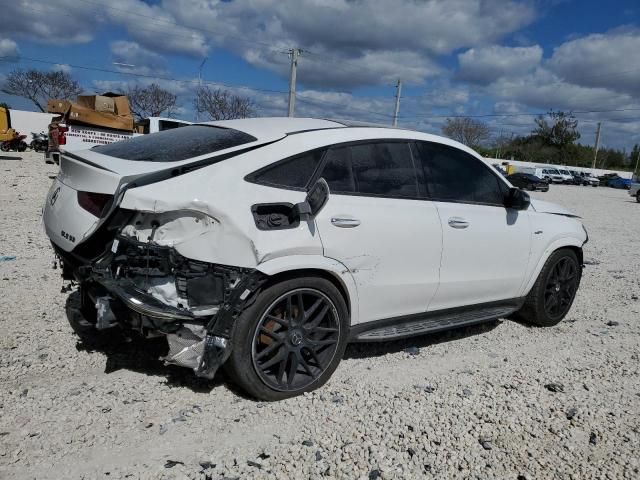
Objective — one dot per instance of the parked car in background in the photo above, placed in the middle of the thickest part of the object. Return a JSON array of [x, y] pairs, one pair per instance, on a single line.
[[567, 177], [528, 181], [542, 173], [634, 191], [591, 179], [268, 244], [552, 174], [578, 177], [614, 180]]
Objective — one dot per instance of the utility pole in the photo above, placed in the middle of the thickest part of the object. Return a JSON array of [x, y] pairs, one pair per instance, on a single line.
[[397, 108], [199, 87], [595, 155], [499, 145], [294, 53]]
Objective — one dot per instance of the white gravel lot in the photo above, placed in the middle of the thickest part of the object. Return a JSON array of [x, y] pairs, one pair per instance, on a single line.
[[465, 404]]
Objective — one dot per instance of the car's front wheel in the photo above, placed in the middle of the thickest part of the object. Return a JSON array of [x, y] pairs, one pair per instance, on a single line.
[[291, 340], [552, 295]]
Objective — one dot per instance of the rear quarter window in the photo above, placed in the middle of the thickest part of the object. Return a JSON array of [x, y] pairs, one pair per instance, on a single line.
[[176, 144], [294, 173]]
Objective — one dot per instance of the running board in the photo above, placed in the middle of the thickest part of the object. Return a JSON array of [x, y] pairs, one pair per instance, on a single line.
[[430, 322]]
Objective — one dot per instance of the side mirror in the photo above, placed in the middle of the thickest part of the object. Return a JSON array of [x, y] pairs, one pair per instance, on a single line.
[[517, 199], [316, 199]]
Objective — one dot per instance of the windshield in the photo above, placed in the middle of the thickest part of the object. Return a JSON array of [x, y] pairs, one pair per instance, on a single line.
[[565, 172], [176, 144], [553, 171]]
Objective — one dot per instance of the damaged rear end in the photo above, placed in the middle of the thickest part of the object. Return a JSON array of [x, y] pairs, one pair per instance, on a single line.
[[154, 290], [130, 262]]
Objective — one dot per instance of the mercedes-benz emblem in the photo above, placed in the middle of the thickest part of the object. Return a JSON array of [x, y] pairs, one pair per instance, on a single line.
[[54, 196], [296, 338]]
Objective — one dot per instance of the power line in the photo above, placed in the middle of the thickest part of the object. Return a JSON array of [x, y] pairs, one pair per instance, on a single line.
[[305, 99], [316, 101], [142, 75], [528, 114]]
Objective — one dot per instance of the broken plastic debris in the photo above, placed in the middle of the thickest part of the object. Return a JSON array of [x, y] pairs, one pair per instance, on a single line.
[[7, 258]]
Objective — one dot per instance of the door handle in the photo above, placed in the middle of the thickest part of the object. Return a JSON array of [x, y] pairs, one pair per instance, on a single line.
[[457, 222], [345, 222]]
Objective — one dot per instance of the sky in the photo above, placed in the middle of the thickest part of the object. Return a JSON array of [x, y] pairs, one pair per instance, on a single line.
[[500, 61]]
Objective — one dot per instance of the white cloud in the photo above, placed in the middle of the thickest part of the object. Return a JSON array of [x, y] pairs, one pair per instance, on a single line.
[[354, 44], [61, 67], [62, 21], [483, 65], [610, 60], [8, 48], [131, 57]]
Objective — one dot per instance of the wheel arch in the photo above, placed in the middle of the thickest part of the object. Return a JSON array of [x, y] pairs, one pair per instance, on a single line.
[[570, 243], [285, 268]]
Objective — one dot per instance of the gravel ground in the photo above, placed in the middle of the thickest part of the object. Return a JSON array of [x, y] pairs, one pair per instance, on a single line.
[[501, 400]]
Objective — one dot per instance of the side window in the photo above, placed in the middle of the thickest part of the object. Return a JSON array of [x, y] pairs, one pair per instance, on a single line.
[[337, 171], [292, 173], [454, 175], [384, 168]]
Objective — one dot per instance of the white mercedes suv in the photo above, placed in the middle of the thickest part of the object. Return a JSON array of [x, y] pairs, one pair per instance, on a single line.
[[266, 245]]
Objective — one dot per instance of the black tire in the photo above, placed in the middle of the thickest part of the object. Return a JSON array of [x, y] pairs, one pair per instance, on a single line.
[[638, 196], [22, 146], [4, 146], [250, 335], [550, 291], [531, 187]]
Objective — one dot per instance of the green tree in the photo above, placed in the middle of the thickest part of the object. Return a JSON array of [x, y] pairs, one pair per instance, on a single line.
[[561, 132]]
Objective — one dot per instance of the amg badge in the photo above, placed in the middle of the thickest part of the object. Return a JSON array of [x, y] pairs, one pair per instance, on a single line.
[[69, 237]]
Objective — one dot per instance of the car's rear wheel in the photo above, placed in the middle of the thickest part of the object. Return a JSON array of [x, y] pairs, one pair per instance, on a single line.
[[291, 340], [553, 293], [531, 187], [638, 196]]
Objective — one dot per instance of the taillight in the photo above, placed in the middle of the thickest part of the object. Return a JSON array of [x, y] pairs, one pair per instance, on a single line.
[[94, 203], [62, 134]]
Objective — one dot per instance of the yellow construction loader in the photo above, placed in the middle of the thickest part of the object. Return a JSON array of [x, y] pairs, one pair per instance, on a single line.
[[6, 132]]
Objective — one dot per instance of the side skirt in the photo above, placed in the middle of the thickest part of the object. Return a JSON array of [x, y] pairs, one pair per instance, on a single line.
[[430, 322]]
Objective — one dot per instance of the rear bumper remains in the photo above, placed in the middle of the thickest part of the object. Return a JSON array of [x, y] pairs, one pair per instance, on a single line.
[[155, 291]]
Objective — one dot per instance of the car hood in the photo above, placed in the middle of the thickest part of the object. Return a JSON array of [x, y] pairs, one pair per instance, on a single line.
[[553, 208]]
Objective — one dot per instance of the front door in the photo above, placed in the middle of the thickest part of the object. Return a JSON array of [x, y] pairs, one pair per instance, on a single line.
[[376, 224], [486, 246]]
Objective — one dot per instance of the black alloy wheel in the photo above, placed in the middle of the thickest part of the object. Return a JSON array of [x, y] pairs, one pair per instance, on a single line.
[[553, 292], [296, 340], [561, 286]]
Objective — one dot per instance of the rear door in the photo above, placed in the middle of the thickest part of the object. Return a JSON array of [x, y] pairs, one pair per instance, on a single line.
[[377, 224], [485, 245]]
